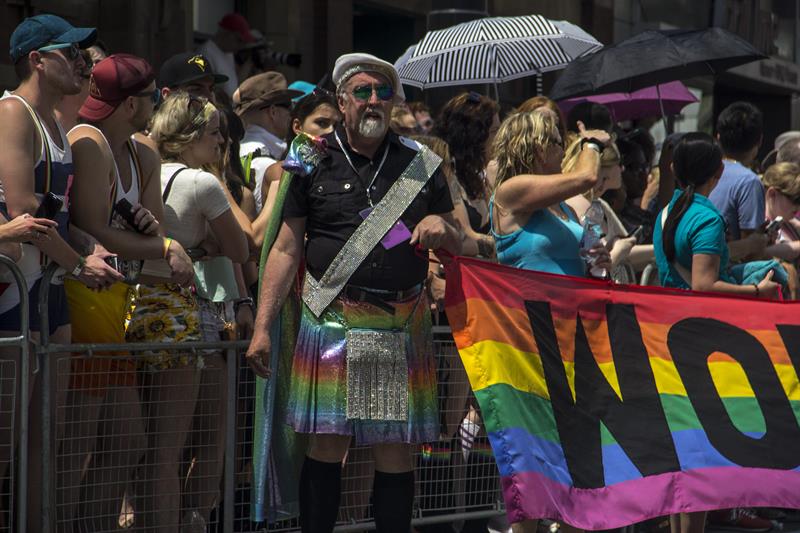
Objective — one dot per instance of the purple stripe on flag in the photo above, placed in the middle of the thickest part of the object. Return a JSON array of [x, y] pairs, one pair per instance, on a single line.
[[530, 495]]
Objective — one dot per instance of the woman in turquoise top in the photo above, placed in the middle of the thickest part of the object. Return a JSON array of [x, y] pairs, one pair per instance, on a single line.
[[690, 247], [532, 226], [689, 237]]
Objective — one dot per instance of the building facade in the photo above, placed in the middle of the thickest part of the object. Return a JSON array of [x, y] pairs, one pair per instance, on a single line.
[[321, 30]]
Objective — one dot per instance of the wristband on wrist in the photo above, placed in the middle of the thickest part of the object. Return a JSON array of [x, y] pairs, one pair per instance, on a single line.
[[167, 243], [758, 291], [593, 144], [79, 267], [243, 301]]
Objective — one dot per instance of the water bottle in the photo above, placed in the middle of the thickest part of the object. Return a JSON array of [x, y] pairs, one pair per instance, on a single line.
[[592, 234]]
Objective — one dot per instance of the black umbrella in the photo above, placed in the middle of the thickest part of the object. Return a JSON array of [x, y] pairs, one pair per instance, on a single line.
[[654, 57]]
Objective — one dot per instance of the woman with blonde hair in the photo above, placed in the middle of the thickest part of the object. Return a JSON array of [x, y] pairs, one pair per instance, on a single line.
[[187, 132], [782, 194], [543, 103], [626, 256], [532, 225]]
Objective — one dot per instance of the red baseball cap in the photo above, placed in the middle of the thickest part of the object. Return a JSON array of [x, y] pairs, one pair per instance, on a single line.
[[237, 23], [114, 79]]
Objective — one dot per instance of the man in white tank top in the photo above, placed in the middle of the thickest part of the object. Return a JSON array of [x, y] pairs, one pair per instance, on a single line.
[[36, 159], [111, 167]]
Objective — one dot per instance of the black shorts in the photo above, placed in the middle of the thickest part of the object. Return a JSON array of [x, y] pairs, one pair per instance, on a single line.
[[57, 310]]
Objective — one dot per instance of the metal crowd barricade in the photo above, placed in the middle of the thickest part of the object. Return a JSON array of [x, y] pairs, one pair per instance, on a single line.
[[453, 483], [15, 403], [96, 488], [456, 476]]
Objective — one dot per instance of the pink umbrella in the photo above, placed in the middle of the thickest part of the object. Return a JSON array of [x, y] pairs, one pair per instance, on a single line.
[[639, 104]]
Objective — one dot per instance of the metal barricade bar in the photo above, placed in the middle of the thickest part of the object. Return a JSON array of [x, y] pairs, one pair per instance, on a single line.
[[425, 521], [127, 352], [21, 341], [457, 488]]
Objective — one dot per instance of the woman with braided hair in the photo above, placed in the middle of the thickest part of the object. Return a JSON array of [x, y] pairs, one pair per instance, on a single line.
[[689, 237]]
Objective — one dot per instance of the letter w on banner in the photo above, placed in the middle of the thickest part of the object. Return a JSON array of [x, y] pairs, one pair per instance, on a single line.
[[607, 405]]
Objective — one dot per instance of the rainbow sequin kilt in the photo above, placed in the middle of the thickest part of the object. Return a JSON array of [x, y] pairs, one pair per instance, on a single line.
[[318, 398]]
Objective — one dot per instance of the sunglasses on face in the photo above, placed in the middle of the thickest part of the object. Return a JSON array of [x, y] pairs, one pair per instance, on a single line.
[[364, 92], [155, 95], [319, 91], [71, 51]]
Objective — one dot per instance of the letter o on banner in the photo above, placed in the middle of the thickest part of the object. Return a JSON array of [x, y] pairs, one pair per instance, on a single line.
[[691, 342]]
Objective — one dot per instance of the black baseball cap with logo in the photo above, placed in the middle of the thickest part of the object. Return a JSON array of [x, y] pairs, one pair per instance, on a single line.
[[182, 69]]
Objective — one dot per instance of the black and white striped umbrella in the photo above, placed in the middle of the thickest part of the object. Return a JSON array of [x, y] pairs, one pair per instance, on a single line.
[[494, 50]]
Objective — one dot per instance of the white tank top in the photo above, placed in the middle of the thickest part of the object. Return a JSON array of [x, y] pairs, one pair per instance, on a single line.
[[56, 179], [133, 195], [130, 268]]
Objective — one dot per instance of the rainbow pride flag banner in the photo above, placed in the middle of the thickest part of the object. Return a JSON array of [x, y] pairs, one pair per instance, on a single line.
[[607, 405]]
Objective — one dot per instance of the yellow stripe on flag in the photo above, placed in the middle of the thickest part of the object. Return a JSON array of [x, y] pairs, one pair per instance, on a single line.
[[491, 363]]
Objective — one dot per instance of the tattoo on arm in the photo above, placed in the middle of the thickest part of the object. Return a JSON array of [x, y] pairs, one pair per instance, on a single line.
[[82, 242]]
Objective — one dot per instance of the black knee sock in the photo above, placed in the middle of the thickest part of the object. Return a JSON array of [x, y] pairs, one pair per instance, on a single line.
[[320, 491], [392, 501]]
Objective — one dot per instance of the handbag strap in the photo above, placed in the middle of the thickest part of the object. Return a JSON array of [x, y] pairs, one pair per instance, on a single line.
[[168, 188], [318, 295]]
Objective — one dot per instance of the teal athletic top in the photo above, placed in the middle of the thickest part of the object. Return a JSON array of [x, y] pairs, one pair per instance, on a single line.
[[546, 243], [700, 231]]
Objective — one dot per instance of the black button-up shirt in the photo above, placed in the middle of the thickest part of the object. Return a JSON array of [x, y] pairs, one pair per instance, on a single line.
[[333, 195]]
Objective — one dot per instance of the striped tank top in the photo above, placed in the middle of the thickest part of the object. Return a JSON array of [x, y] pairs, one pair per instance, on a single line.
[[53, 172]]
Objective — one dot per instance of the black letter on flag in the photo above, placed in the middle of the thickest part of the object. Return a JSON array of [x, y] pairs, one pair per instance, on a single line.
[[690, 343], [637, 422]]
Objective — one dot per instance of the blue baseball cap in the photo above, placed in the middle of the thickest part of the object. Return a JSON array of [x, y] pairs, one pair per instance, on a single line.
[[302, 86], [48, 30]]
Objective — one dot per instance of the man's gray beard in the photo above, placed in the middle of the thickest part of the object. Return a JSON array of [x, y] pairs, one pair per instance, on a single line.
[[371, 128]]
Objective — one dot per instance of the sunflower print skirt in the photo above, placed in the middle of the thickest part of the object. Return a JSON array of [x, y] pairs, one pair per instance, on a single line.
[[165, 313]]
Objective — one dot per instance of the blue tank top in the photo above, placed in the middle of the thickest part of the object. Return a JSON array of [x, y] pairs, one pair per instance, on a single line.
[[546, 243]]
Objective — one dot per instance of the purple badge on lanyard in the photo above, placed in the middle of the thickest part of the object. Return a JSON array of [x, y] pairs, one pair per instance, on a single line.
[[398, 234]]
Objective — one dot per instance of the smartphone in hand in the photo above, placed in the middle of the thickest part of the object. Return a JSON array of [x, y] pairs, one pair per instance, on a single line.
[[774, 224], [49, 207], [125, 210], [637, 233]]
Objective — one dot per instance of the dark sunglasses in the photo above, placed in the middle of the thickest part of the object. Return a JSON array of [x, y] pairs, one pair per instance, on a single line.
[[195, 105], [71, 51], [155, 95], [364, 92], [319, 91]]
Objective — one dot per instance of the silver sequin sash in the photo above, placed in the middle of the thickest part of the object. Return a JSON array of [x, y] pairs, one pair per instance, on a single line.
[[318, 294]]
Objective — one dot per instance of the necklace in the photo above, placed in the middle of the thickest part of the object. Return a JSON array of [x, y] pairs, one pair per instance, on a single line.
[[350, 162]]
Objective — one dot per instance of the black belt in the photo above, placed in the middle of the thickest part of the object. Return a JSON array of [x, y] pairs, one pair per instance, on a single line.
[[380, 298]]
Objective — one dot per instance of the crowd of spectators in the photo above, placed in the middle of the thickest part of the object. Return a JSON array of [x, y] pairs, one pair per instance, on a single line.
[[152, 192]]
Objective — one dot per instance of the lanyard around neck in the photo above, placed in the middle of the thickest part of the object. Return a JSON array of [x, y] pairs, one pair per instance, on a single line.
[[350, 162]]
